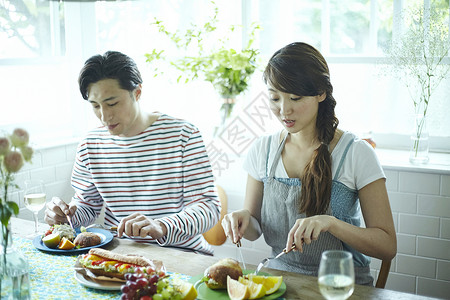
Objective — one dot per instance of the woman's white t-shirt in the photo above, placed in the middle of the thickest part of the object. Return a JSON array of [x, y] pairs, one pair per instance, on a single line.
[[359, 168]]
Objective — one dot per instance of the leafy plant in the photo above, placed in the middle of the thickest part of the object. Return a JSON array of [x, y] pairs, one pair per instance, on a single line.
[[227, 69], [417, 58]]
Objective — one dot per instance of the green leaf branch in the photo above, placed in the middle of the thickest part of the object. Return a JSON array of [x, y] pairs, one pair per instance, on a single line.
[[229, 70]]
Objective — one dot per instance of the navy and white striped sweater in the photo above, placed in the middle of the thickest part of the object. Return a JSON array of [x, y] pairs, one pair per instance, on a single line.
[[163, 173]]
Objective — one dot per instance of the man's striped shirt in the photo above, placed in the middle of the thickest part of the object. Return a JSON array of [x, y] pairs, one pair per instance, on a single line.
[[163, 173]]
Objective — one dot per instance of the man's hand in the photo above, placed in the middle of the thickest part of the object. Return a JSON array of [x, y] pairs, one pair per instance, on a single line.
[[56, 211], [138, 225]]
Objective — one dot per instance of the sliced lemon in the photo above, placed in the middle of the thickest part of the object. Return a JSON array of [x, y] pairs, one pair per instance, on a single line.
[[237, 290], [186, 289], [66, 244], [52, 240], [271, 283], [257, 290]]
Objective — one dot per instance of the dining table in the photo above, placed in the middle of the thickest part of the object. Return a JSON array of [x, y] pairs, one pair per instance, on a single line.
[[51, 275]]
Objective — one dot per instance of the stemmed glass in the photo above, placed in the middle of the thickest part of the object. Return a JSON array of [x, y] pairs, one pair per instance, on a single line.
[[34, 198], [336, 274]]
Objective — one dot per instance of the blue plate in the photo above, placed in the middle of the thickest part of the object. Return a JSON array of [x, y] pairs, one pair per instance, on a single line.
[[105, 236]]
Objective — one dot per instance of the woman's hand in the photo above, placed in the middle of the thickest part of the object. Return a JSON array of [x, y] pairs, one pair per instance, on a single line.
[[57, 210], [138, 225], [234, 224], [307, 230]]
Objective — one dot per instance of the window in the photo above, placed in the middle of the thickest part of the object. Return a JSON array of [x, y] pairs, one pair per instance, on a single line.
[[36, 70], [43, 54], [353, 36]]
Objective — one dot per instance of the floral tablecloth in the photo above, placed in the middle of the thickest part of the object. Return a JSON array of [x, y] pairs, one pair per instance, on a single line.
[[52, 276]]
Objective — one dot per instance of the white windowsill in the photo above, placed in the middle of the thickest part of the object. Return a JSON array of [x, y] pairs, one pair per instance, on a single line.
[[399, 160]]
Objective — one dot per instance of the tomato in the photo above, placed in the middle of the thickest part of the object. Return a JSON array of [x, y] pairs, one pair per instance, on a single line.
[[97, 262]]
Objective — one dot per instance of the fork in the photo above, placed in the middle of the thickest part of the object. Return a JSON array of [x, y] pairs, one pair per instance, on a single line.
[[266, 260], [70, 222]]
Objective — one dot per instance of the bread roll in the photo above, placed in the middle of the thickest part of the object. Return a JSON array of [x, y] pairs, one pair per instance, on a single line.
[[219, 271], [87, 239]]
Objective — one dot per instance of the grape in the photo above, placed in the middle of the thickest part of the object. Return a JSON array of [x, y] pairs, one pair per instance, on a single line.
[[142, 286], [124, 297], [166, 294], [127, 276], [141, 282], [131, 294], [130, 277], [158, 297], [152, 289], [177, 296], [133, 285], [161, 284], [124, 289], [154, 279]]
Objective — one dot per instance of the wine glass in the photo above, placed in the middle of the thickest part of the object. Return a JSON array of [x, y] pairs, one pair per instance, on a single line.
[[336, 274], [34, 198]]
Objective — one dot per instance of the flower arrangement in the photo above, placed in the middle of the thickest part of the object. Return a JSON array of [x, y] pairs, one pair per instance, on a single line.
[[417, 59], [227, 69], [14, 151]]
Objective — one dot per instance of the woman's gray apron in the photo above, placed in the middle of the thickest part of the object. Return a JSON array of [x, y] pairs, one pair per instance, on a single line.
[[278, 214]]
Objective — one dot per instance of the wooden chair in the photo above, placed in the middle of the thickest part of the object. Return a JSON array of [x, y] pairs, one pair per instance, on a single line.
[[384, 273], [216, 236]]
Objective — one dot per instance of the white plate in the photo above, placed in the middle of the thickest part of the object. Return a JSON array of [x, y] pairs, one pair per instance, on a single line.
[[104, 285]]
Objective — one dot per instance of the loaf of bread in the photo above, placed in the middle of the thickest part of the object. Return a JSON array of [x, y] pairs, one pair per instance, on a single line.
[[87, 239]]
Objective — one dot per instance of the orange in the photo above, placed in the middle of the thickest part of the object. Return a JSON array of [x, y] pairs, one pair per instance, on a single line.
[[237, 290], [65, 244]]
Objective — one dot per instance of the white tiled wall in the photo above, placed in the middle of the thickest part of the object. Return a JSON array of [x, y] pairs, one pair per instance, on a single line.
[[420, 202], [54, 166]]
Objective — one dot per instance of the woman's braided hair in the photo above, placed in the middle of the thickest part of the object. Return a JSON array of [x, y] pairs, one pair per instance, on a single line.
[[300, 69]]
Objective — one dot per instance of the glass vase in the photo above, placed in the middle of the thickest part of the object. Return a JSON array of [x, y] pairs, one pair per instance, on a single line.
[[14, 269], [418, 153]]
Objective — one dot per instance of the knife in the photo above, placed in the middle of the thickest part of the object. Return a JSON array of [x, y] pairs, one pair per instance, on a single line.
[[238, 244]]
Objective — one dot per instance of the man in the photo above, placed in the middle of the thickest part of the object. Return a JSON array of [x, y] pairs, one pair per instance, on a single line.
[[150, 170]]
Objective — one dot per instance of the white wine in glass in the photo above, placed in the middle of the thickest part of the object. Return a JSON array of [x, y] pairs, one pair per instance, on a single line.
[[336, 275], [34, 198]]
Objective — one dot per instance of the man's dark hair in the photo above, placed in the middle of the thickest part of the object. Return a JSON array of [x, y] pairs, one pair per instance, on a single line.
[[111, 65]]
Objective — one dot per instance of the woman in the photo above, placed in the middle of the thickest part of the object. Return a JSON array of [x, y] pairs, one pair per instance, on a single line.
[[308, 184]]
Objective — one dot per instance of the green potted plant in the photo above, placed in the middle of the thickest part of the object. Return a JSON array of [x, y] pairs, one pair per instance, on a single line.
[[416, 58], [229, 70]]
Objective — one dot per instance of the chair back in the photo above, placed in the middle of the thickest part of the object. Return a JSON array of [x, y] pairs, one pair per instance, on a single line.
[[384, 273], [216, 236]]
